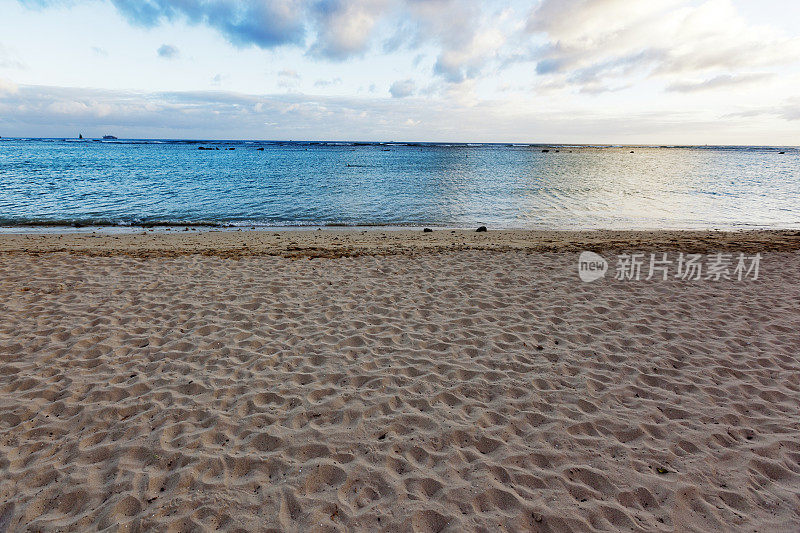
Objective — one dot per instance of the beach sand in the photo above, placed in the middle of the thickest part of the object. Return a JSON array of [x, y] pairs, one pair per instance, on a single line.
[[394, 380]]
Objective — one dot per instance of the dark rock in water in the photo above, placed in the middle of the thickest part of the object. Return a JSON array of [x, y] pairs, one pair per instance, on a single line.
[[231, 148], [261, 149], [481, 229], [631, 151], [781, 152], [203, 148], [427, 230], [545, 151]]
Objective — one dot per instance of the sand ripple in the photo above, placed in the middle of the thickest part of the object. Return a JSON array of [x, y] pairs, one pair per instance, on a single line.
[[439, 392]]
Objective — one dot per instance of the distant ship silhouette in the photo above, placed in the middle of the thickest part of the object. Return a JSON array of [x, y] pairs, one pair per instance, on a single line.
[[109, 137]]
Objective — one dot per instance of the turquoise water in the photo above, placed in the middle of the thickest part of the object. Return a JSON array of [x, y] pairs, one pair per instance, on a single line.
[[57, 181]]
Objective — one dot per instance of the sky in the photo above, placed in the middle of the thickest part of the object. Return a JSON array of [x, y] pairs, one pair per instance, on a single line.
[[541, 71]]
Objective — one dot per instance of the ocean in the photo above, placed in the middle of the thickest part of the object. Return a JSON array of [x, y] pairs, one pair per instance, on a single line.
[[127, 183]]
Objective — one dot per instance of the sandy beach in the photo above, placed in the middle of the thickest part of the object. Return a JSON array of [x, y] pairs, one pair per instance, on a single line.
[[394, 380]]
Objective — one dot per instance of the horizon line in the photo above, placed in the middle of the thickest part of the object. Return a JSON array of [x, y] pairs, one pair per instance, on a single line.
[[405, 142]]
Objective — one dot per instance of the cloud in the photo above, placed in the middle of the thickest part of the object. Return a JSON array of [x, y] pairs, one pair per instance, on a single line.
[[345, 26], [9, 60], [402, 88], [717, 82], [167, 51], [262, 23], [56, 111], [289, 73], [467, 36], [99, 51], [62, 111], [328, 83], [289, 79], [8, 86], [564, 46], [464, 33], [589, 42], [11, 63], [788, 110]]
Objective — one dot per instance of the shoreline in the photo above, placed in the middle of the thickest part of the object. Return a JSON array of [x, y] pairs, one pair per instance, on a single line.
[[159, 227], [349, 242]]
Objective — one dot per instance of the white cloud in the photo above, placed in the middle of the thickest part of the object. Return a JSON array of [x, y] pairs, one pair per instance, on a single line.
[[590, 43], [289, 73], [402, 88], [468, 34], [788, 110], [345, 26], [327, 82], [717, 82], [263, 23], [9, 59], [464, 33], [54, 111], [672, 62], [8, 86], [168, 51]]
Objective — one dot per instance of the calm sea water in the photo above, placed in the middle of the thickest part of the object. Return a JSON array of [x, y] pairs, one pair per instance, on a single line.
[[54, 181]]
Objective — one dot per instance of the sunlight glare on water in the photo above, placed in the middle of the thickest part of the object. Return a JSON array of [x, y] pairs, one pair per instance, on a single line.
[[301, 184]]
